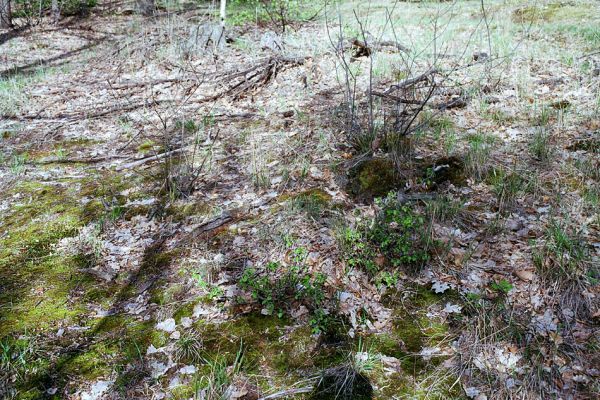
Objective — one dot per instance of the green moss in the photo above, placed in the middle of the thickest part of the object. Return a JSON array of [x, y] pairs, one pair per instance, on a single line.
[[374, 177], [270, 348], [30, 394], [412, 328], [185, 310], [42, 290], [311, 201], [181, 210], [182, 392], [146, 146], [34, 281], [317, 194], [297, 352], [91, 364]]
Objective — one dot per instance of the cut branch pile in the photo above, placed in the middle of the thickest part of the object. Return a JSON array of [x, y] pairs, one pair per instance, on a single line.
[[258, 75]]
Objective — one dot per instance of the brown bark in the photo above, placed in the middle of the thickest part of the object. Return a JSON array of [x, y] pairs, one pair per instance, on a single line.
[[5, 14]]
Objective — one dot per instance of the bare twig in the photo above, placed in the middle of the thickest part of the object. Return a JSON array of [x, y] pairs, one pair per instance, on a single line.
[[289, 392], [146, 160]]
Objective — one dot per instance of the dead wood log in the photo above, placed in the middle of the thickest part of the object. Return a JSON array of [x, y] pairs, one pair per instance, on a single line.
[[92, 160], [258, 75], [146, 160], [407, 83], [396, 98], [132, 85], [458, 102], [364, 49]]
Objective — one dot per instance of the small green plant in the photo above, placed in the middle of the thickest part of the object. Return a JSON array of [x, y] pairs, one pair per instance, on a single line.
[[359, 252], [60, 154], [17, 163], [215, 383], [438, 124], [542, 119], [563, 254], [540, 145], [589, 167], [277, 287], [311, 202], [449, 142], [443, 209], [188, 126], [213, 292], [387, 279], [397, 237], [498, 116], [18, 358], [591, 195], [503, 286], [506, 186], [188, 348], [478, 154]]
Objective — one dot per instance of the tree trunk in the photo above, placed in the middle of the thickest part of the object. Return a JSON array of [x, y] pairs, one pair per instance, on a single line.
[[223, 8], [55, 12], [5, 14]]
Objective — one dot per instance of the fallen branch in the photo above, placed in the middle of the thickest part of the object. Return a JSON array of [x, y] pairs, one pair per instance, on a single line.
[[86, 114], [257, 75], [75, 160], [149, 83], [289, 392], [146, 160], [454, 103], [412, 81], [396, 98], [377, 45]]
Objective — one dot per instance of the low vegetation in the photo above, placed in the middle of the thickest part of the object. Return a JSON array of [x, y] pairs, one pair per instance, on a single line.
[[321, 200]]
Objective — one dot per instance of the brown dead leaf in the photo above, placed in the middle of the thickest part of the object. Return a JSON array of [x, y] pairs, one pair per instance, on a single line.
[[524, 275], [458, 255]]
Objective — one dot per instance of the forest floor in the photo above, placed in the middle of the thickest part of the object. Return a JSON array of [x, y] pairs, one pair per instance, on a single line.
[[187, 221]]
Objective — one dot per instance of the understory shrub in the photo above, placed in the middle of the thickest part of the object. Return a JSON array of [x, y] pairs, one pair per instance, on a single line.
[[398, 236], [279, 287]]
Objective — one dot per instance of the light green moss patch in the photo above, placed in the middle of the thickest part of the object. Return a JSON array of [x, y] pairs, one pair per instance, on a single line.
[[412, 331], [93, 363]]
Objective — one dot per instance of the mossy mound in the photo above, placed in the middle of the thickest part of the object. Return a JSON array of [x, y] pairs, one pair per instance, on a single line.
[[374, 177], [313, 202], [446, 169]]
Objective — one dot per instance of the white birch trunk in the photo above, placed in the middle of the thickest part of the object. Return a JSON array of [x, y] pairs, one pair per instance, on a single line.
[[223, 13]]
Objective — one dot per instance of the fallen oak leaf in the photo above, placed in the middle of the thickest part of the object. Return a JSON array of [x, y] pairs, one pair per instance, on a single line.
[[524, 275]]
